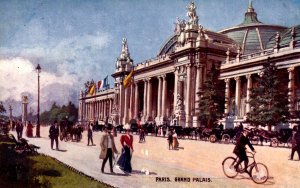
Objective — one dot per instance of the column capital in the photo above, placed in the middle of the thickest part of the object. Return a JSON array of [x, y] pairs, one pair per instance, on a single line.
[[189, 65], [227, 80], [237, 78], [164, 76], [248, 76], [291, 69]]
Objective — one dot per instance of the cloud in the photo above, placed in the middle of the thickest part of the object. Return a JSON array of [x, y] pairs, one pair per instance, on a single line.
[[18, 77]]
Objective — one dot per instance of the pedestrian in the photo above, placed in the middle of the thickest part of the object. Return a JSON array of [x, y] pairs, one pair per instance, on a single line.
[[19, 129], [170, 139], [53, 134], [124, 161], [175, 140], [142, 135], [108, 148], [90, 135], [293, 142], [240, 149], [29, 130], [297, 138]]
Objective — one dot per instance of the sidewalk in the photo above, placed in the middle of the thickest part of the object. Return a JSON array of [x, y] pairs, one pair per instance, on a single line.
[[199, 162]]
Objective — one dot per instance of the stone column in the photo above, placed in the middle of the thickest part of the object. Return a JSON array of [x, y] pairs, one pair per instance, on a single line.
[[227, 95], [188, 96], [175, 88], [237, 96], [149, 100], [249, 87], [198, 86], [110, 107], [131, 109], [159, 94], [121, 107], [291, 86], [164, 96], [126, 106], [136, 100], [24, 109], [104, 109], [145, 101]]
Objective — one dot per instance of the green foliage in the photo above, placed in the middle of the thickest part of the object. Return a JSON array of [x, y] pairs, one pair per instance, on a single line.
[[24, 170], [2, 108], [269, 99], [211, 105], [59, 113]]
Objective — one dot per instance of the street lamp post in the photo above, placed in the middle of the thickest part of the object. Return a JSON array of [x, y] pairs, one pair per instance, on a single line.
[[38, 70]]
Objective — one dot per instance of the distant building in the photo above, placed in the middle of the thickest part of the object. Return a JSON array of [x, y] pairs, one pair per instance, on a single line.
[[166, 88]]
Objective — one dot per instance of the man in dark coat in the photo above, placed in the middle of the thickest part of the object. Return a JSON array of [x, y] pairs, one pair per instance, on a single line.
[[54, 133], [90, 135], [297, 138], [240, 149]]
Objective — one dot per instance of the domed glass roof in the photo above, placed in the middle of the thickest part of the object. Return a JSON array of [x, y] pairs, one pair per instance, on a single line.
[[286, 37], [252, 35]]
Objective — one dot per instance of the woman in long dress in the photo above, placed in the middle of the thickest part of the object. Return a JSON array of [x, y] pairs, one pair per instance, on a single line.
[[124, 161], [175, 140], [29, 130]]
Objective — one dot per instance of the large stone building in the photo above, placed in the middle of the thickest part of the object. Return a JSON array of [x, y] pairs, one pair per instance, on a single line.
[[166, 88]]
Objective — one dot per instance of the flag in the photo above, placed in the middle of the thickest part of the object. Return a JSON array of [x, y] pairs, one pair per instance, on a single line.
[[127, 80], [92, 90], [100, 84], [103, 83]]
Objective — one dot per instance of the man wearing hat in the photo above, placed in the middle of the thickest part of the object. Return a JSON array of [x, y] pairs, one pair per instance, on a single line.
[[108, 148], [54, 133], [240, 149]]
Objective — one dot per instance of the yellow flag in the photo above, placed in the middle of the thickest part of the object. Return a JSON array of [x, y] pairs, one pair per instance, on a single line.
[[92, 90], [127, 80]]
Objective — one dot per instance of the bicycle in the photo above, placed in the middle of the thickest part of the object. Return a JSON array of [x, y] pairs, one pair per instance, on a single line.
[[258, 172]]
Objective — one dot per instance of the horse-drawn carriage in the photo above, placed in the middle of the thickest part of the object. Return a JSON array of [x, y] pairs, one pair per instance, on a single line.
[[70, 132]]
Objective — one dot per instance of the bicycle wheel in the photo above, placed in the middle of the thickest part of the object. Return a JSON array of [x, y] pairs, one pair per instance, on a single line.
[[226, 138], [259, 173], [228, 167]]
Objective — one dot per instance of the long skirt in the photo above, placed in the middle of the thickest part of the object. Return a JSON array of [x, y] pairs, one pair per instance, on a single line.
[[125, 160], [175, 143]]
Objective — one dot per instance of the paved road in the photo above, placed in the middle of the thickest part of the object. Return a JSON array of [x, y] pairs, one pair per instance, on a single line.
[[196, 161]]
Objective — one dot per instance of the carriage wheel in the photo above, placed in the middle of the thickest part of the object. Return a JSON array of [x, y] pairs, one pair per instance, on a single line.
[[213, 138], [289, 142], [274, 142], [254, 140], [234, 140], [226, 138], [280, 144]]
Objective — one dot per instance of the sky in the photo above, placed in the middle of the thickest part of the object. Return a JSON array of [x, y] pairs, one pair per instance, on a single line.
[[75, 41]]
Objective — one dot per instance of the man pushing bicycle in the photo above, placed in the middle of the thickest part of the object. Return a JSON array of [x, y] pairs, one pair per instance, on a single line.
[[240, 149]]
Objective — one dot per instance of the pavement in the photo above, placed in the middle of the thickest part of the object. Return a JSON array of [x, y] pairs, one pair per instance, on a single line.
[[194, 164]]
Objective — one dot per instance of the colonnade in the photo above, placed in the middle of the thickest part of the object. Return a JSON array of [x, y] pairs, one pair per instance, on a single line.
[[96, 109], [238, 88]]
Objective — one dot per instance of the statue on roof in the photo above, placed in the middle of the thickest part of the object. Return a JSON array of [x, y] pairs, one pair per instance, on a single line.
[[201, 31], [125, 52], [192, 13], [179, 26]]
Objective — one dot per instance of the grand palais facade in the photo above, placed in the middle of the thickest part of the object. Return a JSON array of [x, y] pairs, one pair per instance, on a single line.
[[166, 89]]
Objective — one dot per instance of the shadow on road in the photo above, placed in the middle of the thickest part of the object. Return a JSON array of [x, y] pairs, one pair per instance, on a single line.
[[142, 173], [116, 174], [62, 150]]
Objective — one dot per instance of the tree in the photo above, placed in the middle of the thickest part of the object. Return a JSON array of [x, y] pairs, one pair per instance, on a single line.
[[212, 98], [2, 108], [59, 113], [269, 99]]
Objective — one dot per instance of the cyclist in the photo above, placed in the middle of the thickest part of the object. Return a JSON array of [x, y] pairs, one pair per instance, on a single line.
[[240, 149]]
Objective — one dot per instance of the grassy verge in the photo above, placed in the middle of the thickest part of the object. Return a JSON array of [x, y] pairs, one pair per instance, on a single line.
[[25, 170]]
